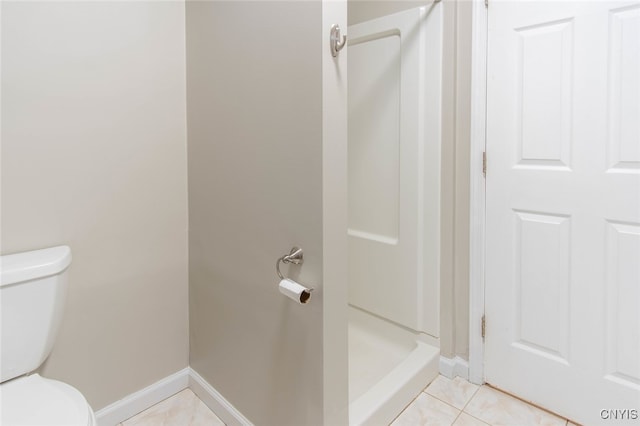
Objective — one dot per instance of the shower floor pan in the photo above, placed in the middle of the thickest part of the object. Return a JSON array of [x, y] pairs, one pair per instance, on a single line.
[[388, 367]]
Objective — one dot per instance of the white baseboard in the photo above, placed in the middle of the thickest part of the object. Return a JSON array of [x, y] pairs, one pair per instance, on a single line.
[[139, 401], [215, 401], [145, 398], [452, 367]]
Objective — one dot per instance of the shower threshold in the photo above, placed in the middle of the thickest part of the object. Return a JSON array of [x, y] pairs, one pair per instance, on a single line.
[[388, 367]]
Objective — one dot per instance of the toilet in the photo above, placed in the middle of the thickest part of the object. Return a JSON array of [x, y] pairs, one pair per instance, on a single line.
[[32, 294]]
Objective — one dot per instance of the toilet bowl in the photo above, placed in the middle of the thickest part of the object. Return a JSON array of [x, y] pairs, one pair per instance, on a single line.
[[35, 400], [32, 293]]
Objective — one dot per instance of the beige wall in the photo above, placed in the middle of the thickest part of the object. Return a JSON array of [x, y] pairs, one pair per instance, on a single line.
[[461, 207], [454, 283], [454, 300], [255, 190], [94, 156]]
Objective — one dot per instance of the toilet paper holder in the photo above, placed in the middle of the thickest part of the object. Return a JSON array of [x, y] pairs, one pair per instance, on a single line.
[[295, 256]]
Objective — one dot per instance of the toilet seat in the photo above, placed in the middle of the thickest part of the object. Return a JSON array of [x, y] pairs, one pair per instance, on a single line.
[[34, 400]]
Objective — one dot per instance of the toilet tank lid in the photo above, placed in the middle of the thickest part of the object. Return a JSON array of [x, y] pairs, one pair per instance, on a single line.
[[30, 265]]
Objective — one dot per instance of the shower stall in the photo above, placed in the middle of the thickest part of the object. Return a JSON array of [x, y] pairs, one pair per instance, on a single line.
[[275, 361], [394, 115]]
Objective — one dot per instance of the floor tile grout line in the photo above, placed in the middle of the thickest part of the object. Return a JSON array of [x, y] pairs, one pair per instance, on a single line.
[[475, 392], [405, 409], [477, 418], [465, 404], [443, 401], [457, 417], [469, 402]]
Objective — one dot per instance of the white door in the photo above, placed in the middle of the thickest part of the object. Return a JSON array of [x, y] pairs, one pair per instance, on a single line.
[[563, 205], [394, 136]]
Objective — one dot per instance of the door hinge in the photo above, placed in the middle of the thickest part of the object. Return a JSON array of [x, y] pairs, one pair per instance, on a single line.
[[484, 164], [483, 326], [486, 3]]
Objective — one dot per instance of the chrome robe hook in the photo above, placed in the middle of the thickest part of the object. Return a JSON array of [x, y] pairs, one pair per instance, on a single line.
[[336, 42]]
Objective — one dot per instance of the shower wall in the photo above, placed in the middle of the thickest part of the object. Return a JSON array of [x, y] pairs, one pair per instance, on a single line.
[[394, 167], [254, 101], [454, 216]]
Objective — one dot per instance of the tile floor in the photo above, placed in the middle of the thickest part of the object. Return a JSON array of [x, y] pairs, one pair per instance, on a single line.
[[460, 403], [444, 402], [182, 409]]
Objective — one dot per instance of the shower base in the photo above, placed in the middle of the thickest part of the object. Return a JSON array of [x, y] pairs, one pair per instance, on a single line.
[[388, 367]]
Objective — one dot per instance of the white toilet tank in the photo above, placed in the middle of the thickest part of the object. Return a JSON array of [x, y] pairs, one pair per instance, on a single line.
[[32, 293]]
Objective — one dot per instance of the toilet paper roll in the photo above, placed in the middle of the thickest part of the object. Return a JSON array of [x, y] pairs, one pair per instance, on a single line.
[[295, 291]]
